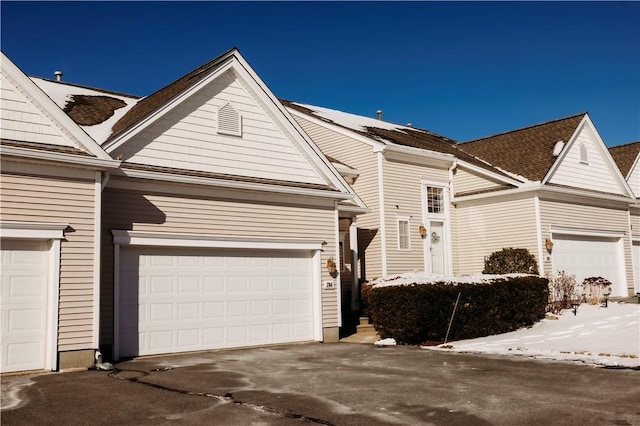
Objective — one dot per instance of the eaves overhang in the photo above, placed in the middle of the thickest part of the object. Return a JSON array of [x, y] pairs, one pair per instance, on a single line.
[[59, 157], [416, 155]]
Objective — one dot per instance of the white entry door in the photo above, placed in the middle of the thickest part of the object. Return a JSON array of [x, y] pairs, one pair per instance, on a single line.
[[23, 305], [437, 247], [175, 300]]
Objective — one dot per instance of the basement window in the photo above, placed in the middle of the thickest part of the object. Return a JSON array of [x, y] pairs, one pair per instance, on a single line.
[[229, 121]]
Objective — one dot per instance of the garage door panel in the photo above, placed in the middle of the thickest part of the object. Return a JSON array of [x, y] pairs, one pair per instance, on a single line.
[[208, 299], [585, 257], [23, 305]]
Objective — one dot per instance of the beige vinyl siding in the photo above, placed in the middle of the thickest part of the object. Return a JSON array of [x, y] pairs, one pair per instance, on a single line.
[[357, 155], [168, 213], [634, 217], [187, 138], [22, 120], [466, 181], [634, 181], [403, 197], [31, 198], [598, 174], [589, 218], [487, 225]]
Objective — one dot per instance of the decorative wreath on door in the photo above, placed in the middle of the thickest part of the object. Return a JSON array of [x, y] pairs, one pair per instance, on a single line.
[[435, 238]]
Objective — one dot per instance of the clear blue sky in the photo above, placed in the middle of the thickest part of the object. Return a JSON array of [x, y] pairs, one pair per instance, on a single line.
[[464, 70]]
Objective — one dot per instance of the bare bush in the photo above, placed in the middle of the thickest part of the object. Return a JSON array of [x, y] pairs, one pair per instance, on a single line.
[[562, 292], [595, 288]]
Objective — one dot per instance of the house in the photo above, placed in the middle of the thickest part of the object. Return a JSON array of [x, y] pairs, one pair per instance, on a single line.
[[219, 224], [553, 184], [52, 176], [626, 157]]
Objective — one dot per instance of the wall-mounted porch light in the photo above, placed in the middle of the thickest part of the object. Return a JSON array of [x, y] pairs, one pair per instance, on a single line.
[[331, 267], [423, 231], [548, 244]]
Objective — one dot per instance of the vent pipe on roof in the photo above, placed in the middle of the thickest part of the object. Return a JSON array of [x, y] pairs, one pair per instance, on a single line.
[[379, 114], [58, 75]]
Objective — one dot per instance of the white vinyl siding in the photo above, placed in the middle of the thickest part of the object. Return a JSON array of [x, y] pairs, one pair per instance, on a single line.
[[488, 225], [634, 181], [403, 196], [466, 181], [360, 156], [201, 215], [29, 198], [598, 174], [187, 138], [23, 120]]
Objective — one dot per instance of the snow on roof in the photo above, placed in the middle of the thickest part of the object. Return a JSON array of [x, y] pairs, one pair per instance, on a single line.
[[62, 93], [355, 122], [423, 278]]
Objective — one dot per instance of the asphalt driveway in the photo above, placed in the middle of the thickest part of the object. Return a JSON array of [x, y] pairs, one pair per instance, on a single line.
[[331, 384]]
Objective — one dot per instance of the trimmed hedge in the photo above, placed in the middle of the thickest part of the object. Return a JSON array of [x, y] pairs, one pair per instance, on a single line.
[[416, 313], [511, 261]]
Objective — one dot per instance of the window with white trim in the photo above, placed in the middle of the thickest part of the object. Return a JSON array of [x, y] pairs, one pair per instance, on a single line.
[[404, 240], [435, 200]]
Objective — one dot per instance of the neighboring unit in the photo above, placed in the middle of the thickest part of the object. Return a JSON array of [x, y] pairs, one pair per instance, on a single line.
[[51, 182], [627, 157], [553, 184]]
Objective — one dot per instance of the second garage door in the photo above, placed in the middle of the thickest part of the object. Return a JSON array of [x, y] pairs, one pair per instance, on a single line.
[[585, 257], [185, 300]]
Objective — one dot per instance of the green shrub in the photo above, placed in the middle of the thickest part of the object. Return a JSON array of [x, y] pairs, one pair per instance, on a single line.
[[509, 261], [416, 313]]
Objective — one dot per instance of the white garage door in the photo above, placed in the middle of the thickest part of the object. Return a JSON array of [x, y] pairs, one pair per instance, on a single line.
[[590, 257], [23, 305], [175, 300]]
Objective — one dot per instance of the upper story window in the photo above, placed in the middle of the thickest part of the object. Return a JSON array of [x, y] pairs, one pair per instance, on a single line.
[[435, 199], [229, 120], [404, 242]]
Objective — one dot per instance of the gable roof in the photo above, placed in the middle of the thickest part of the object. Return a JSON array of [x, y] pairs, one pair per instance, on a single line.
[[82, 147], [625, 156], [94, 110], [390, 133], [528, 151]]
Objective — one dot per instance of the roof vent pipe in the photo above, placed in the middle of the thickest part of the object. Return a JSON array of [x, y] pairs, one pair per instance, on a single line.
[[379, 114], [58, 75]]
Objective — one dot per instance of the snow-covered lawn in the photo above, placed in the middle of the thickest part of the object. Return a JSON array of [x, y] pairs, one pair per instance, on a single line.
[[596, 335]]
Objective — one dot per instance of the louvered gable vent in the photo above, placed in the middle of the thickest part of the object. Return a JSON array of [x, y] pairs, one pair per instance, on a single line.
[[229, 121]]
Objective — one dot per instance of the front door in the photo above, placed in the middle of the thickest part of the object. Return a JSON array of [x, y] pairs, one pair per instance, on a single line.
[[437, 247]]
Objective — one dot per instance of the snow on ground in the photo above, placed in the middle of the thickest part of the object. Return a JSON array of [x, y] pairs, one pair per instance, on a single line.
[[596, 335], [424, 278]]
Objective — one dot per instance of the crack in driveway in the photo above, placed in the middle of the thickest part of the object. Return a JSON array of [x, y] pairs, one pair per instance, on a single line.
[[228, 397]]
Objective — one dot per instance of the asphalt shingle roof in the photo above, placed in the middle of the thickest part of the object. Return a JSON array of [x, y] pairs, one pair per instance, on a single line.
[[527, 152], [625, 155]]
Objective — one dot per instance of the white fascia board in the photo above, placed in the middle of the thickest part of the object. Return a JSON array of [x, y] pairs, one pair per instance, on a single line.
[[143, 238], [408, 153], [490, 174], [33, 230], [74, 131], [585, 232], [354, 210], [537, 186], [166, 108], [311, 151], [563, 153], [346, 170], [60, 157], [223, 183]]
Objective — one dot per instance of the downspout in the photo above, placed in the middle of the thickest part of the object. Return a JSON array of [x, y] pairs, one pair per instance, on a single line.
[[383, 228], [536, 204], [448, 221], [100, 178]]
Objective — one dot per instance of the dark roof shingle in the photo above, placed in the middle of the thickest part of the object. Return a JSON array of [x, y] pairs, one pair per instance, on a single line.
[[528, 151], [625, 155]]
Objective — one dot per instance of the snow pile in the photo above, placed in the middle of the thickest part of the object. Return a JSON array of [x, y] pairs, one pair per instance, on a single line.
[[386, 342], [423, 278], [595, 335]]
